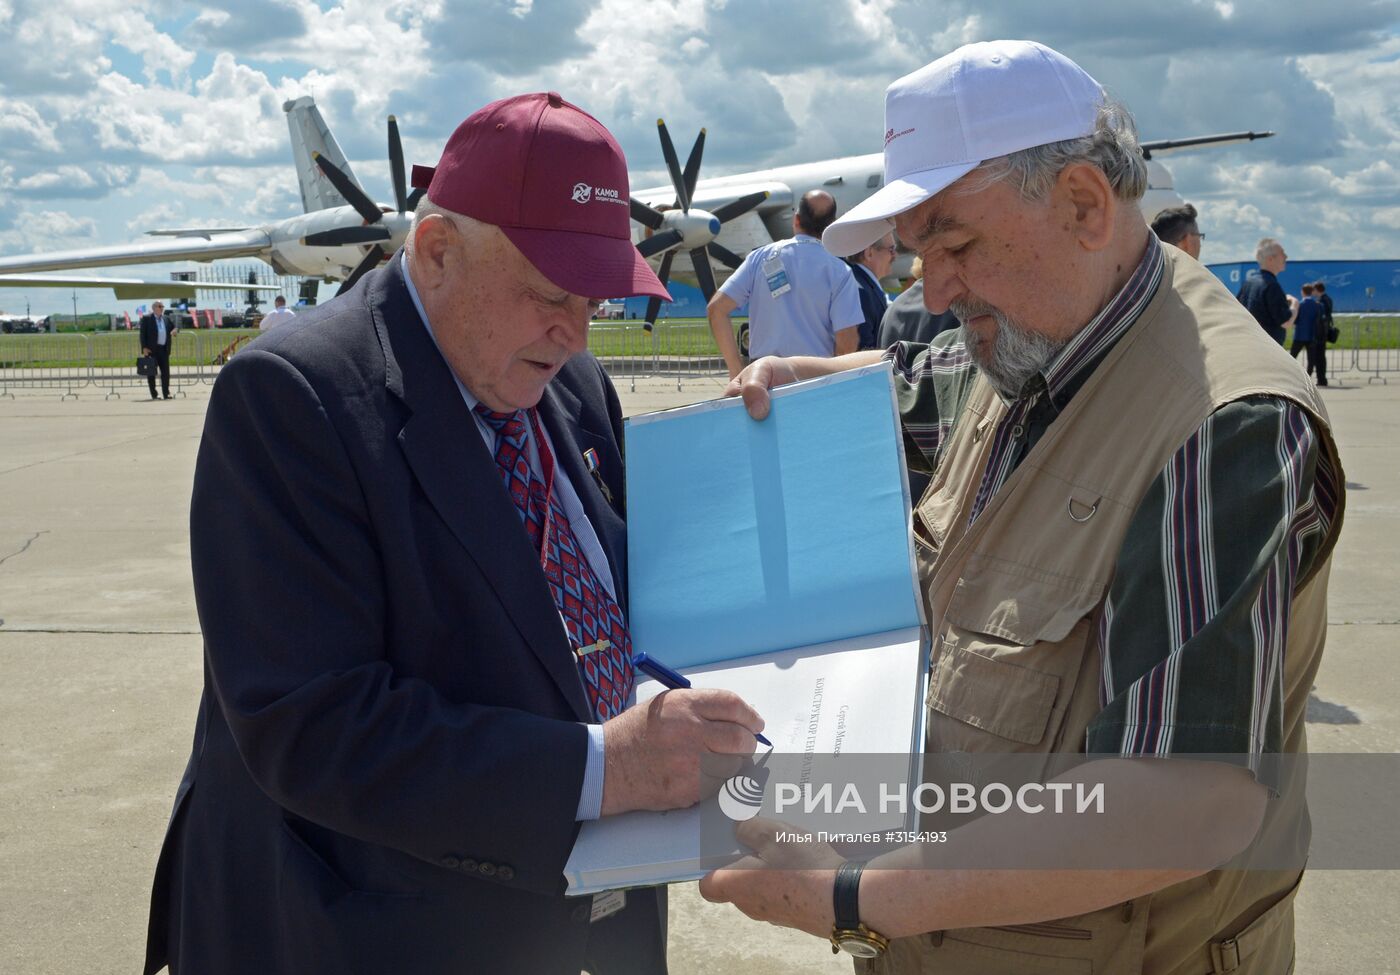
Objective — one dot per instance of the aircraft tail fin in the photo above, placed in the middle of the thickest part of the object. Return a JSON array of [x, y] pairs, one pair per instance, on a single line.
[[310, 135]]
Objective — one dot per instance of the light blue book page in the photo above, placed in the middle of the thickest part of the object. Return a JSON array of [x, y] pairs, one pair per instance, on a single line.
[[747, 537]]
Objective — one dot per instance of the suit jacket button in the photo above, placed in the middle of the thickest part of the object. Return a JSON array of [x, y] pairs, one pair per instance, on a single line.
[[583, 911], [505, 873], [450, 862], [469, 865], [486, 868]]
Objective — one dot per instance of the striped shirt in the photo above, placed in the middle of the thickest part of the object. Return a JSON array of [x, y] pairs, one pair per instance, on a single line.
[[1193, 629]]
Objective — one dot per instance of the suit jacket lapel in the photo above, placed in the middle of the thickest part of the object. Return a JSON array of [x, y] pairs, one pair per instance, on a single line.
[[460, 479]]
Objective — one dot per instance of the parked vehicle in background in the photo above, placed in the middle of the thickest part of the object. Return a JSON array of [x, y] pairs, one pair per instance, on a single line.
[[23, 326], [611, 310]]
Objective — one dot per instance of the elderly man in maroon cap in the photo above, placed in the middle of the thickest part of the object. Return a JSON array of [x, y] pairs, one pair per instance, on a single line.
[[409, 563]]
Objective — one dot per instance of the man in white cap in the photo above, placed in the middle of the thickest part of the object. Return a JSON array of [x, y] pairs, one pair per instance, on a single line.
[[1124, 551]]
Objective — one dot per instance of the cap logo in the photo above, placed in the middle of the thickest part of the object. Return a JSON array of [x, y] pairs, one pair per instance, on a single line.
[[599, 194], [891, 134]]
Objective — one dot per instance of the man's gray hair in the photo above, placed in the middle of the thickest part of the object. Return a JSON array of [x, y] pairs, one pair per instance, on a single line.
[[1112, 147], [473, 230], [1266, 247]]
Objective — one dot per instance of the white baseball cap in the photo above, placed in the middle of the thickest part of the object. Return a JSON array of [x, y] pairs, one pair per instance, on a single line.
[[981, 101]]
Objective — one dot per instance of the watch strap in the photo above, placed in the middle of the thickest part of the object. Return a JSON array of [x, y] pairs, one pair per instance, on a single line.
[[845, 895]]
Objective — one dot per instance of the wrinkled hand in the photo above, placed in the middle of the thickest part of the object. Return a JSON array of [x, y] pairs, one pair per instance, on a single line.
[[788, 884], [675, 749], [755, 381]]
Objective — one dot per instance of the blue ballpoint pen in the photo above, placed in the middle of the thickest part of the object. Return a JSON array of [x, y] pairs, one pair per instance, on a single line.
[[667, 677]]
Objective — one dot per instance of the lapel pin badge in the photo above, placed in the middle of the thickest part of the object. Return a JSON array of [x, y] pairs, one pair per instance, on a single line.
[[590, 458]]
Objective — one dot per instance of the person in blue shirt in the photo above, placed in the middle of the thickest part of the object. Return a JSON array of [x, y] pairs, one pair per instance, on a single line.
[[802, 300], [1305, 323], [1308, 333]]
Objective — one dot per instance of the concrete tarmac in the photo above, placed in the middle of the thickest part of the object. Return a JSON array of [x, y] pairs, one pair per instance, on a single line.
[[100, 675]]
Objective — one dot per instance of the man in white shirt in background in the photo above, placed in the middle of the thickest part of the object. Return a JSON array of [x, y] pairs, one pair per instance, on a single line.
[[280, 315]]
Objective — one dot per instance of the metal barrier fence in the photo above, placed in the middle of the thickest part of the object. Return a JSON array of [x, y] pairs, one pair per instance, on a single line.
[[628, 351], [107, 360], [1370, 347], [1375, 347], [45, 362]]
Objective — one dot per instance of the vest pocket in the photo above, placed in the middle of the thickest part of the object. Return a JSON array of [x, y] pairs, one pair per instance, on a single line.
[[1001, 699]]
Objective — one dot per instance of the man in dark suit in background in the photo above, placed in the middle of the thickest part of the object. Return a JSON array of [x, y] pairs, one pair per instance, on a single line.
[[157, 336], [869, 266], [1264, 296], [398, 739]]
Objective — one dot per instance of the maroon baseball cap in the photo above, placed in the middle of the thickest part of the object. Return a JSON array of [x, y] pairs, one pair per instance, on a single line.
[[555, 181]]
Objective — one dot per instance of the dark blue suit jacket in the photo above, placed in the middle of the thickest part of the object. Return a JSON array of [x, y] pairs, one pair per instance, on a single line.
[[1263, 296], [873, 303], [150, 332], [390, 745]]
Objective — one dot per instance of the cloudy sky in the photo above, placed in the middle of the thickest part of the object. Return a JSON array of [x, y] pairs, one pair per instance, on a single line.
[[119, 116]]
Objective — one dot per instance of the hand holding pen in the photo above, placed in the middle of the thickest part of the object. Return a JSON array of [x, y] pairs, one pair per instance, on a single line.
[[671, 679], [675, 749]]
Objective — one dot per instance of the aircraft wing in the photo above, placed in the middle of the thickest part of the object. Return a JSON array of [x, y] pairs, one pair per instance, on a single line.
[[128, 288], [245, 243], [713, 197], [1164, 146]]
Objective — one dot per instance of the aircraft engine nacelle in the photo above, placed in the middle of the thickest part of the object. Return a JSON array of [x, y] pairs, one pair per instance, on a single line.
[[295, 249]]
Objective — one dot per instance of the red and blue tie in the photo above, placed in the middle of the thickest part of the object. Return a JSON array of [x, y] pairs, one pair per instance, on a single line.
[[589, 611]]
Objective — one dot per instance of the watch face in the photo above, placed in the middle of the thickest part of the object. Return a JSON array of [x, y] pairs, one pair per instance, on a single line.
[[858, 947]]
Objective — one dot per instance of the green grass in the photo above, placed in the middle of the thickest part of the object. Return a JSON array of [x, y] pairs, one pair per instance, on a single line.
[[675, 337], [684, 337]]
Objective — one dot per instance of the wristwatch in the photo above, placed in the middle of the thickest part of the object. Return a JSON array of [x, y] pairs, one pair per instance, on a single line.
[[848, 934]]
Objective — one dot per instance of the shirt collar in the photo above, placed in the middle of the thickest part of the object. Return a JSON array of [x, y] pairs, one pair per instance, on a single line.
[[1072, 364], [869, 274]]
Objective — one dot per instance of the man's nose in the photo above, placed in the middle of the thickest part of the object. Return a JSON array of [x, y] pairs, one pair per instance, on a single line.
[[572, 331], [941, 286]]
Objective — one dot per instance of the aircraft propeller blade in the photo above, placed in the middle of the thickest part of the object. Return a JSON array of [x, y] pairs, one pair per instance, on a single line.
[[724, 255], [648, 217], [355, 196], [692, 165], [370, 262], [654, 304], [396, 165], [346, 235], [658, 243], [414, 197], [744, 204], [673, 165], [703, 272]]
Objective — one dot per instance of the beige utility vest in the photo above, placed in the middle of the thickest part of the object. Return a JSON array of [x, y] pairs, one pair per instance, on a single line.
[[1014, 604]]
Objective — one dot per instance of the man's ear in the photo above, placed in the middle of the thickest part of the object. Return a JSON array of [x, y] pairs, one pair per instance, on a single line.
[[432, 241], [1093, 206]]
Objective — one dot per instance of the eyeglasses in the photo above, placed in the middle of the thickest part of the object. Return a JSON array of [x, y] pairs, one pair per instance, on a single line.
[[892, 248], [1197, 234]]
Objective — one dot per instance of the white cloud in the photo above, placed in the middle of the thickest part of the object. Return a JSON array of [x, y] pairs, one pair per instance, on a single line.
[[157, 118], [159, 52]]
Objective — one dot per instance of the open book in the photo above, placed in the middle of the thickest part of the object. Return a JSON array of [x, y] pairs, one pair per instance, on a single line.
[[773, 559]]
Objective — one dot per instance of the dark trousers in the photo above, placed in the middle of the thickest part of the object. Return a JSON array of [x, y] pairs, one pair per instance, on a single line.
[[1317, 358], [161, 354]]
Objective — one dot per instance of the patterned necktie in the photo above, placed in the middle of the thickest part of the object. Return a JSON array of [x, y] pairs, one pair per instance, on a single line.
[[589, 611]]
